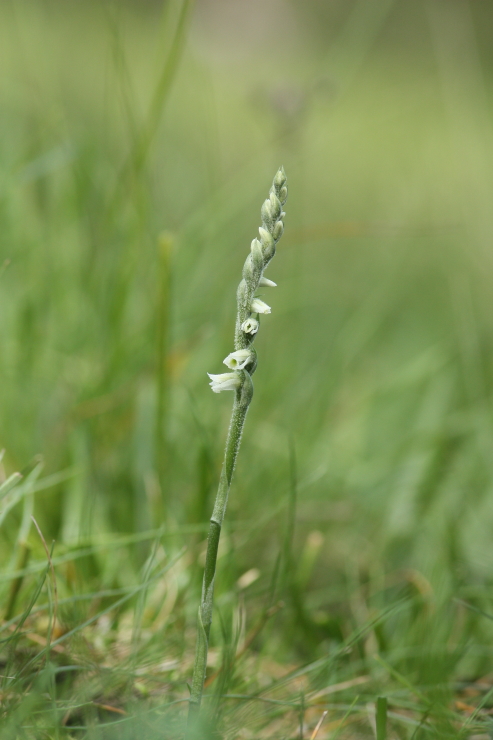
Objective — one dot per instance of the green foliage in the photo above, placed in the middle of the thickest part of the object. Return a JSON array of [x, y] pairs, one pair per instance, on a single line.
[[135, 144]]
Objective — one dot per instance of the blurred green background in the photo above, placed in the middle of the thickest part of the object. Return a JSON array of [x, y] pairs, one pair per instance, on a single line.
[[137, 143]]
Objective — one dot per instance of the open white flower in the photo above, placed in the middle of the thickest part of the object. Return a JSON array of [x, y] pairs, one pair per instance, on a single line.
[[224, 382], [250, 326], [239, 359], [266, 283], [259, 306]]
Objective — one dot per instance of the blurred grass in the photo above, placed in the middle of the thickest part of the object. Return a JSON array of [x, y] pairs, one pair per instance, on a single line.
[[136, 144]]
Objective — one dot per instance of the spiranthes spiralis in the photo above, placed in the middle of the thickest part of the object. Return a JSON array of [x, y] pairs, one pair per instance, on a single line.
[[242, 363]]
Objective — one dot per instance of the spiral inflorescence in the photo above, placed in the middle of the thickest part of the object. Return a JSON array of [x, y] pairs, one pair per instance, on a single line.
[[242, 363], [262, 250]]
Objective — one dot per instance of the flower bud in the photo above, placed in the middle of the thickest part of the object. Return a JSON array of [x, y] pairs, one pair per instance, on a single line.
[[265, 237], [275, 206], [279, 179], [257, 255], [266, 212], [278, 230]]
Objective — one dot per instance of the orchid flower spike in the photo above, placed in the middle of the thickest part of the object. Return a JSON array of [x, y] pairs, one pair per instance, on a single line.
[[243, 362], [262, 250]]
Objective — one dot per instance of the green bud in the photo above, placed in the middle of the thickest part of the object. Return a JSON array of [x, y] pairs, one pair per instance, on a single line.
[[255, 246], [266, 212], [257, 258], [275, 206], [283, 194], [265, 237], [279, 178], [278, 230]]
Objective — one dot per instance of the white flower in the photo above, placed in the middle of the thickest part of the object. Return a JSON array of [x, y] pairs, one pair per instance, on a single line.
[[266, 283], [250, 326], [237, 360], [224, 382], [259, 306]]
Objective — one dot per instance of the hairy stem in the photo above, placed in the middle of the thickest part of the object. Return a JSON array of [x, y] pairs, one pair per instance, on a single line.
[[242, 400]]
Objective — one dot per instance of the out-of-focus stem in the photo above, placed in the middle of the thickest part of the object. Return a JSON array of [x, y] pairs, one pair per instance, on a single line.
[[15, 586], [165, 249], [240, 407]]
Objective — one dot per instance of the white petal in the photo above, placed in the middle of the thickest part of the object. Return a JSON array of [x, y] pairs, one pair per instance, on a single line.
[[259, 306], [229, 385], [266, 283], [222, 377], [224, 382], [237, 360]]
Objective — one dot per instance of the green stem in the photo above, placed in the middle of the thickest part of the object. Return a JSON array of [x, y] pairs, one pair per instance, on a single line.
[[242, 400], [15, 586]]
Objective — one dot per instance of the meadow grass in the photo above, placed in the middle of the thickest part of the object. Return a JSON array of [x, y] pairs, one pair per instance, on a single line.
[[135, 144]]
